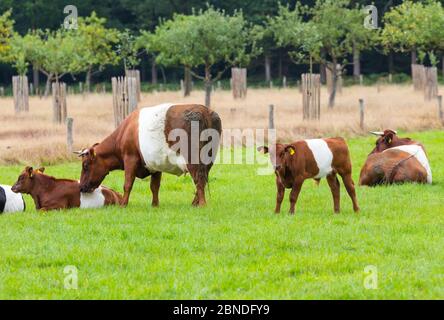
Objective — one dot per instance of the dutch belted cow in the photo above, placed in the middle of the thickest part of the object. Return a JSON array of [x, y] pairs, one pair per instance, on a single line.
[[313, 158], [10, 201], [395, 160], [171, 138], [50, 193]]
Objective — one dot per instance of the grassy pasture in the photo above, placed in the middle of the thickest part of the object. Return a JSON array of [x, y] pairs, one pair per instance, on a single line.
[[235, 247]]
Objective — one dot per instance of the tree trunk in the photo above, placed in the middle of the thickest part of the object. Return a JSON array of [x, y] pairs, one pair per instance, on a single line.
[[413, 56], [334, 73], [267, 68], [187, 82], [88, 80], [48, 84], [162, 70], [322, 68], [280, 65], [35, 79], [356, 63], [391, 64], [208, 85], [153, 72]]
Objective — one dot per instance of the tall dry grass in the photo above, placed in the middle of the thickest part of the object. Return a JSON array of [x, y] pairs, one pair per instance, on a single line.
[[32, 138]]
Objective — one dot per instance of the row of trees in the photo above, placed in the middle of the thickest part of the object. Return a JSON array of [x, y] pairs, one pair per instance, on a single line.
[[205, 43]]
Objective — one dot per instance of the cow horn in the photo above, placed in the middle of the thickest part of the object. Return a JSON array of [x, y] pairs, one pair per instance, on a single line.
[[377, 133], [81, 153]]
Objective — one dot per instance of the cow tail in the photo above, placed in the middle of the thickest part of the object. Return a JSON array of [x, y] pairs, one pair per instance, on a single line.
[[395, 168]]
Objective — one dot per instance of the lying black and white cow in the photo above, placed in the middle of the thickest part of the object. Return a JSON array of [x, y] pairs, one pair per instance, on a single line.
[[10, 201]]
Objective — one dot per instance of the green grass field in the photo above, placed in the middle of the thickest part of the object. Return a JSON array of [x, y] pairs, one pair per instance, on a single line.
[[235, 248]]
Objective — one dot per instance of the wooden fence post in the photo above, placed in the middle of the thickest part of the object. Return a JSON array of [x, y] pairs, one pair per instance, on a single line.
[[239, 82], [124, 97], [361, 114], [20, 91], [135, 74], [430, 83], [2, 91], [361, 79], [69, 136], [271, 116], [59, 106], [311, 96], [284, 82]]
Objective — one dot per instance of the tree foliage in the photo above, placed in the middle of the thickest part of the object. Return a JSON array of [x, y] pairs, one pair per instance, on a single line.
[[415, 26], [203, 39], [96, 43], [6, 34]]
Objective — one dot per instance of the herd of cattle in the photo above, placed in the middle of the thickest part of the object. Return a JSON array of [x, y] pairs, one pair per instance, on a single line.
[[141, 146]]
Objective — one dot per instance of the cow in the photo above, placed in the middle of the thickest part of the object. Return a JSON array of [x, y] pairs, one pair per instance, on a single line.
[[50, 193], [10, 201], [152, 140], [312, 158], [388, 140], [392, 166]]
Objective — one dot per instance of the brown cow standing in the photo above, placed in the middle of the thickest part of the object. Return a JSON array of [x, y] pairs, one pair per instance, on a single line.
[[312, 158], [50, 193], [146, 143], [395, 160]]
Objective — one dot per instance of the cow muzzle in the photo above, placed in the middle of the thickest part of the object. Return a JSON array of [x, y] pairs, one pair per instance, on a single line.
[[86, 188]]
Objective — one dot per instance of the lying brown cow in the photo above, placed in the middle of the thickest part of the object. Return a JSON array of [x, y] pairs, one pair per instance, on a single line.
[[146, 143], [392, 166], [313, 158], [395, 160], [50, 193]]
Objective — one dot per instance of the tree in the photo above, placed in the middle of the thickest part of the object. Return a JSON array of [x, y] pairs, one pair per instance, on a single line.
[[325, 33], [6, 33], [203, 39], [54, 53], [415, 27], [96, 42], [127, 49]]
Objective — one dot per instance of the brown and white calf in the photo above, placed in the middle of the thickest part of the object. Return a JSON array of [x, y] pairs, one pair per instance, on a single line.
[[50, 193], [145, 144], [313, 158]]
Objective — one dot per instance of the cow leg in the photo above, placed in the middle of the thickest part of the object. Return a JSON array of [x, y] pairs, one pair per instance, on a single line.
[[350, 187], [334, 185], [155, 186], [130, 176], [280, 195], [294, 194], [200, 176]]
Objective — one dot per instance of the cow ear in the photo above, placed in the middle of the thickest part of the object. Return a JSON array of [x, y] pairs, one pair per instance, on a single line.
[[290, 149], [92, 153], [29, 171], [388, 137], [263, 149], [41, 170]]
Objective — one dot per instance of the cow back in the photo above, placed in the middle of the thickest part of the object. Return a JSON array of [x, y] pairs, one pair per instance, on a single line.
[[10, 201]]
